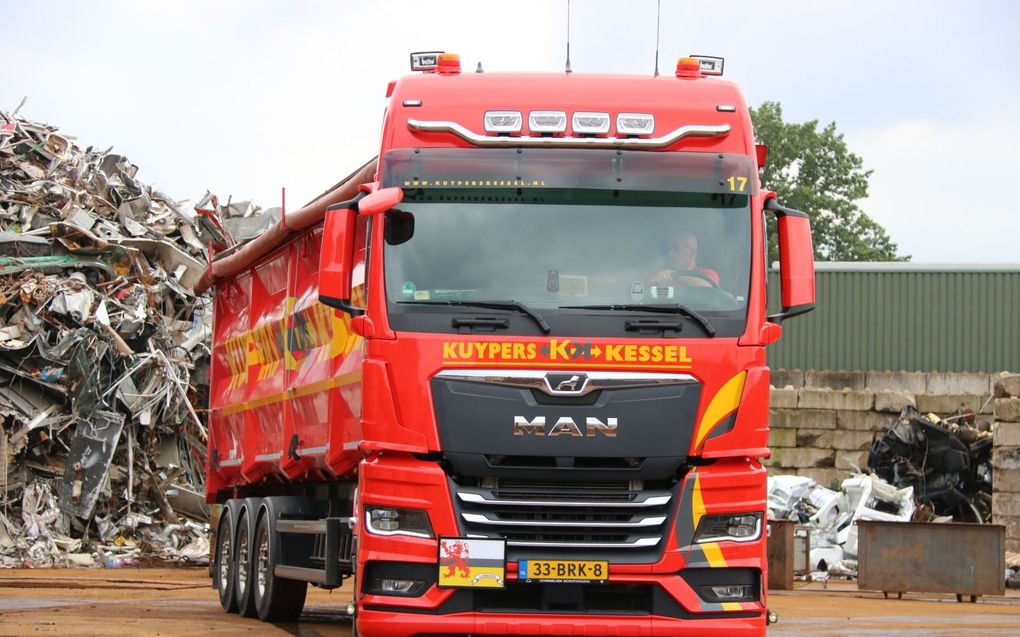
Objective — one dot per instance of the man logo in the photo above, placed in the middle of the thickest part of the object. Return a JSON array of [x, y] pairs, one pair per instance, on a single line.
[[564, 426], [570, 384]]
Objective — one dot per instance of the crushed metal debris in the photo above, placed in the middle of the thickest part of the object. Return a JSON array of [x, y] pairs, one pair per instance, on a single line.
[[947, 462], [104, 356], [832, 515]]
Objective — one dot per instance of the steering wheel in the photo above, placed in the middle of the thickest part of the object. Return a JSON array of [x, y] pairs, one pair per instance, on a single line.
[[678, 274]]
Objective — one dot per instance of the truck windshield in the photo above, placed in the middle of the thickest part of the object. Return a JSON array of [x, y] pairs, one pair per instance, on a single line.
[[588, 261]]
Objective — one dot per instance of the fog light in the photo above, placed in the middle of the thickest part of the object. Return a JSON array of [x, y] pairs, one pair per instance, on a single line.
[[728, 593], [396, 585], [395, 521]]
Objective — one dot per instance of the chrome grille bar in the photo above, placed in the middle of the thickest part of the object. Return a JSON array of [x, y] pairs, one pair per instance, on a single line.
[[641, 542], [477, 518], [569, 515], [479, 498]]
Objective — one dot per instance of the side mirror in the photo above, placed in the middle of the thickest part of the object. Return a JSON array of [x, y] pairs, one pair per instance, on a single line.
[[796, 261], [336, 259]]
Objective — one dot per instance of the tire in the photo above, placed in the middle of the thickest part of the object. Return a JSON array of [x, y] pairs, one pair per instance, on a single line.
[[244, 573], [354, 594], [225, 565], [276, 599], [354, 617]]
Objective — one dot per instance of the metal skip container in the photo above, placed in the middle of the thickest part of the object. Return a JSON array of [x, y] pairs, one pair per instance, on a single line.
[[962, 559]]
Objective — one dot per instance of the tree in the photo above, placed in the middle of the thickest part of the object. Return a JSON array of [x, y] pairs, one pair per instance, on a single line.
[[814, 171]]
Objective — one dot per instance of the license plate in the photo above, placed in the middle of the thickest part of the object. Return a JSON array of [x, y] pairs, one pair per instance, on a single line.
[[564, 571]]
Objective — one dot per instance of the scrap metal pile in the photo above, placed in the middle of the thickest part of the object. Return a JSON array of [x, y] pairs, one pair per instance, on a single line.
[[922, 469], [103, 354], [832, 515], [947, 462]]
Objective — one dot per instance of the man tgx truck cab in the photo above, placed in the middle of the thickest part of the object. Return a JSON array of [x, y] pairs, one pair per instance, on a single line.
[[473, 377]]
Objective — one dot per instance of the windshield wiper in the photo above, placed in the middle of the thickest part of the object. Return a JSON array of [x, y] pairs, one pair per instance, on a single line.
[[660, 308], [493, 305]]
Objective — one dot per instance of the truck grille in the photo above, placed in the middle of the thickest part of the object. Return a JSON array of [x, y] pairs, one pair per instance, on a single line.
[[565, 516]]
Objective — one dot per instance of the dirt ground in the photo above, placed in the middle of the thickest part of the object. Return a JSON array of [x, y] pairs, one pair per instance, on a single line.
[[180, 601]]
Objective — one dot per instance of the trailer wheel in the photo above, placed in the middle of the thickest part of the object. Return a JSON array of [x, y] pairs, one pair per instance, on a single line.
[[243, 574], [225, 564], [276, 599]]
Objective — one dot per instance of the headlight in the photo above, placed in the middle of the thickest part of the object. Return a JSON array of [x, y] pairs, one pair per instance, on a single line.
[[735, 527], [381, 520]]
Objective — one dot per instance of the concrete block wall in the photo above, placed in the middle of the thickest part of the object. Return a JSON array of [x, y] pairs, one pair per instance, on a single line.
[[824, 422], [1006, 458]]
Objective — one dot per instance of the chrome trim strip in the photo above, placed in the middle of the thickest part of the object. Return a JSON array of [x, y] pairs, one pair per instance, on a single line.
[[231, 462], [527, 141], [536, 379], [269, 457], [478, 518], [641, 542], [652, 501]]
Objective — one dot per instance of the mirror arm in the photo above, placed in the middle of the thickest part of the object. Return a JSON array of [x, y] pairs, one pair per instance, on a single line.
[[782, 211], [350, 203], [344, 305], [789, 312]]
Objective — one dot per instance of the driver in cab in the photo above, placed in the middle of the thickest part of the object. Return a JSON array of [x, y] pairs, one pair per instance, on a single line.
[[683, 268]]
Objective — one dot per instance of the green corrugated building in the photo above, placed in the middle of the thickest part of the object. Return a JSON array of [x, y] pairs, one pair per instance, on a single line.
[[905, 316]]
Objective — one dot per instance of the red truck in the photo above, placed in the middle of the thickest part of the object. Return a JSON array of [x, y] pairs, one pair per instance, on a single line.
[[510, 376]]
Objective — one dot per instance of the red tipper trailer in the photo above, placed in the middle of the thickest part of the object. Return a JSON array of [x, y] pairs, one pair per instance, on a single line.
[[510, 376]]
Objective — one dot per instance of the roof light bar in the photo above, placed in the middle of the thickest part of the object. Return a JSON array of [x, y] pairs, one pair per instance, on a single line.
[[526, 141], [425, 60], [547, 121], [589, 123], [503, 121], [635, 124]]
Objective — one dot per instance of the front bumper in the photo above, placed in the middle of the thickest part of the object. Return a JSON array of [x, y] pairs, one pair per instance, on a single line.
[[657, 598], [389, 624]]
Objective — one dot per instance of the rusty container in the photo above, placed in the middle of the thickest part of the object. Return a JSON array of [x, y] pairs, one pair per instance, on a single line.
[[963, 559], [779, 549]]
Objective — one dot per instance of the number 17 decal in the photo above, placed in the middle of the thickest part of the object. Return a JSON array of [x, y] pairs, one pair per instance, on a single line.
[[737, 184]]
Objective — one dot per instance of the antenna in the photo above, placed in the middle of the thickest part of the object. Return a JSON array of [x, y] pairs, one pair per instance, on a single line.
[[568, 37], [658, 18]]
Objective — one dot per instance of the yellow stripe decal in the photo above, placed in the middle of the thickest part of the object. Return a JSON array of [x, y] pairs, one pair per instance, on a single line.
[[300, 392], [723, 404], [697, 503], [714, 555]]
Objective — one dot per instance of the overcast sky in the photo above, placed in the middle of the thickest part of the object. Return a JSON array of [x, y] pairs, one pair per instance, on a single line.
[[243, 97]]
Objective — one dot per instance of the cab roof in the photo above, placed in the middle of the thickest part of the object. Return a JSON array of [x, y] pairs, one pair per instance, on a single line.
[[464, 98]]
